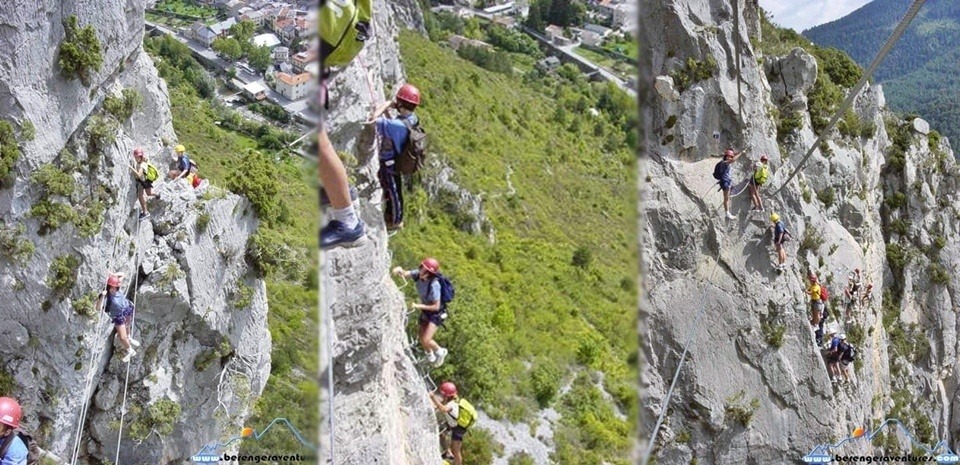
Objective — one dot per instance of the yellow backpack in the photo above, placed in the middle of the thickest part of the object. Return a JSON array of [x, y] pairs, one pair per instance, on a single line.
[[761, 174], [468, 414]]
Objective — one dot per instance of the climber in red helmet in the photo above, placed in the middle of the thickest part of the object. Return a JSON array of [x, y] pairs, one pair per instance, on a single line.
[[394, 134], [121, 313], [459, 415], [432, 313], [13, 451]]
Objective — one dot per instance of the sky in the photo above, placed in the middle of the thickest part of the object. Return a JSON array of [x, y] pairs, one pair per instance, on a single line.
[[804, 14]]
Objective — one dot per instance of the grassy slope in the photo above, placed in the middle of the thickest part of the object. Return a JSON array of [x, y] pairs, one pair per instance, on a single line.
[[290, 391], [521, 301]]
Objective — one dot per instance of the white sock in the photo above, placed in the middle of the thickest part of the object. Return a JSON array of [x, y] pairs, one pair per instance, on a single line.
[[347, 216]]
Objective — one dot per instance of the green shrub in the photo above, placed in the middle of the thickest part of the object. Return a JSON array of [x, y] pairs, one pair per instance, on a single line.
[[521, 458], [51, 215], [53, 180], [255, 178], [9, 151], [89, 219], [736, 408], [787, 124], [84, 305], [823, 101], [582, 257], [79, 52], [839, 66], [773, 334], [482, 446], [827, 196], [203, 220], [103, 133], [868, 129], [895, 201], [694, 71], [271, 255], [683, 436], [242, 296], [122, 107], [14, 245], [206, 357], [900, 226], [62, 274], [812, 240], [27, 130], [270, 110], [939, 274], [7, 384], [160, 417], [849, 125], [545, 380]]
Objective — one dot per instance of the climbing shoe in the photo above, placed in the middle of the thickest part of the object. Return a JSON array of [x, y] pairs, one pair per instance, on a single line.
[[431, 357], [441, 354], [143, 215], [336, 233], [325, 201], [133, 342], [730, 216], [130, 353]]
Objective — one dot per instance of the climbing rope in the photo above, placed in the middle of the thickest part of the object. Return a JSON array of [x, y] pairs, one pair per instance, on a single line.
[[126, 381], [96, 356], [328, 321], [736, 50], [848, 102]]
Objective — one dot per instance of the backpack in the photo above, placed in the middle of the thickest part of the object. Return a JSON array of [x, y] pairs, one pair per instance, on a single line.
[[33, 450], [468, 414], [150, 173], [446, 291], [411, 159], [719, 170], [824, 293], [344, 27], [849, 353], [761, 174]]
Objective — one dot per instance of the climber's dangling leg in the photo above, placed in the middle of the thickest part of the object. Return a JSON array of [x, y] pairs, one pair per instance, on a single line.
[[345, 228]]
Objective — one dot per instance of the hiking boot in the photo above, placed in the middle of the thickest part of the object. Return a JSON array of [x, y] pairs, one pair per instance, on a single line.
[[143, 215], [730, 216], [336, 233], [130, 353], [441, 354], [394, 226], [133, 342], [325, 200], [431, 357]]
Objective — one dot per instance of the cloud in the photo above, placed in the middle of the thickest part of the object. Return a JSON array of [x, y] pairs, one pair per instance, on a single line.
[[804, 14]]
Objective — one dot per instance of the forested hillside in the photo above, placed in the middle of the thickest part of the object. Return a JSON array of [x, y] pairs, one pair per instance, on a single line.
[[920, 74], [546, 295]]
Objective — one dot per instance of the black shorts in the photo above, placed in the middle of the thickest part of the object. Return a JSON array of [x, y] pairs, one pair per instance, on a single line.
[[145, 184], [433, 317], [457, 432]]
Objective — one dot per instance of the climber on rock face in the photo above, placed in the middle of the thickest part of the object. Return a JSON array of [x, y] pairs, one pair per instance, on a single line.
[[394, 134], [12, 449], [852, 291], [839, 349], [759, 178], [780, 235], [146, 174], [184, 167], [432, 313], [121, 313], [816, 304], [867, 294], [721, 172], [457, 415]]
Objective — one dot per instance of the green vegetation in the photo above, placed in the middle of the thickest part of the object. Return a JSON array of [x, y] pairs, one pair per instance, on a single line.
[[482, 447], [496, 61], [513, 40], [203, 220], [285, 255], [827, 196], [900, 134], [160, 417], [787, 124], [63, 274], [84, 305], [79, 52], [256, 178], [897, 257], [122, 107], [103, 133], [895, 200], [270, 110], [242, 296], [27, 130], [185, 8], [693, 72], [574, 318], [739, 410], [773, 333], [939, 274], [9, 151], [563, 13], [7, 384], [204, 359], [14, 245], [812, 240]]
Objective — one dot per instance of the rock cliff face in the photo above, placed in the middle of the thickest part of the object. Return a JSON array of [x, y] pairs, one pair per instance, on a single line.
[[885, 202], [381, 414], [201, 311]]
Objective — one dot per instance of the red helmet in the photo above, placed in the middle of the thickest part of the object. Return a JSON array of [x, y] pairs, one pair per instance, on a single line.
[[138, 152], [113, 281], [10, 412], [431, 264], [728, 153], [764, 157], [813, 278], [448, 389], [409, 94]]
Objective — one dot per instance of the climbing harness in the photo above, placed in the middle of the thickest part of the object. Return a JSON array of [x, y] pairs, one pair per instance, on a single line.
[[848, 102]]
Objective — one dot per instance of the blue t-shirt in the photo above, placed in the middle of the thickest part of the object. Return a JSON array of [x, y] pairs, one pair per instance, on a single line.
[[778, 231], [183, 163], [834, 343], [396, 132], [16, 454], [725, 173], [429, 290], [117, 305]]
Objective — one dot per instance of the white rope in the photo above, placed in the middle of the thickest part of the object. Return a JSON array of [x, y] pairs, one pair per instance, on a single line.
[[848, 102], [126, 381]]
